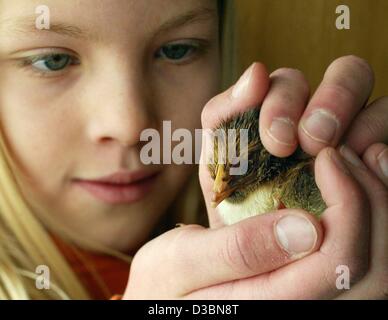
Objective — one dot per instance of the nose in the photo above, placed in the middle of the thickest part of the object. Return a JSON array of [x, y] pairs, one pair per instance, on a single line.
[[118, 107]]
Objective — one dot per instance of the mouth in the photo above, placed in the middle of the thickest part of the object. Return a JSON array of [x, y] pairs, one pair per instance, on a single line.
[[121, 187]]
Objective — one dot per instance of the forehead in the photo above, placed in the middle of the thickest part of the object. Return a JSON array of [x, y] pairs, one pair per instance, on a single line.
[[93, 18]]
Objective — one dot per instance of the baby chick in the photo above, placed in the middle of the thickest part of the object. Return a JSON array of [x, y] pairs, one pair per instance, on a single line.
[[270, 182]]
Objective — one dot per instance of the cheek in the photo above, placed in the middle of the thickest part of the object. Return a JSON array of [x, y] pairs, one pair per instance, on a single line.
[[38, 136]]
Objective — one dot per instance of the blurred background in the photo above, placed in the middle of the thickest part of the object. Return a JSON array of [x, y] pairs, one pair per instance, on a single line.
[[302, 34]]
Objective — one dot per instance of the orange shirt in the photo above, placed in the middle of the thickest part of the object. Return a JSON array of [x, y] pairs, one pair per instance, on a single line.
[[102, 275]]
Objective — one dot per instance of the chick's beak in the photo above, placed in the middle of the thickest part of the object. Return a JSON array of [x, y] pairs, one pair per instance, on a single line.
[[221, 189]]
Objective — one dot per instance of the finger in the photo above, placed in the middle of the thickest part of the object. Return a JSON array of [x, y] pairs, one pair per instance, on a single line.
[[345, 88], [281, 110], [369, 127], [200, 258], [376, 158], [249, 92], [375, 284], [377, 194]]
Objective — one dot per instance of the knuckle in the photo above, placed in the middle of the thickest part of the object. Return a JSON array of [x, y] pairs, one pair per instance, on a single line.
[[328, 279], [356, 263], [166, 247], [382, 102], [364, 65], [358, 68], [360, 62], [238, 253], [143, 256], [371, 122], [205, 113], [356, 201], [378, 110], [293, 78], [284, 99], [210, 110], [139, 266], [179, 236], [289, 73], [167, 253], [357, 266], [358, 269]]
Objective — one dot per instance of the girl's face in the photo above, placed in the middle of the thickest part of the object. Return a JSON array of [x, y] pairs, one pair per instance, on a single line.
[[75, 98]]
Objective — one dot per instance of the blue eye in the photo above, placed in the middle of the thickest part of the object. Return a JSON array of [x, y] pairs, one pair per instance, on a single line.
[[176, 52], [51, 62]]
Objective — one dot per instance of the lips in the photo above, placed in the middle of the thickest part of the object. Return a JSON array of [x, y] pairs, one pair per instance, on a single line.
[[121, 187]]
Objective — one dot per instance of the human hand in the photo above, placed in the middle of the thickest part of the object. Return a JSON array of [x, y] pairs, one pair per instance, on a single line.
[[342, 96], [251, 260], [279, 255]]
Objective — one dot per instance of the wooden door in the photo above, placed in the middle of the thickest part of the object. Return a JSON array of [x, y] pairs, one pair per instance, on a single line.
[[302, 34]]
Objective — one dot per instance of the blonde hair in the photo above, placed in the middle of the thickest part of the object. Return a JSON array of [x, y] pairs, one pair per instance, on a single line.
[[25, 242]]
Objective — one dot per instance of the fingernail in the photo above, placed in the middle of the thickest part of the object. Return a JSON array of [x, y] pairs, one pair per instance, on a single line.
[[241, 85], [351, 157], [296, 234], [383, 162], [321, 126], [335, 157], [282, 131]]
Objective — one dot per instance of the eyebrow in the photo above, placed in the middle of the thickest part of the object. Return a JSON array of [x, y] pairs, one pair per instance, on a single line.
[[26, 24], [201, 14]]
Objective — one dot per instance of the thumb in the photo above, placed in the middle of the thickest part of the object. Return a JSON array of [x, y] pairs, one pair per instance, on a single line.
[[192, 258]]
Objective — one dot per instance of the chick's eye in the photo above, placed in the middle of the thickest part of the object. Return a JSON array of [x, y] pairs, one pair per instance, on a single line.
[[176, 52]]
